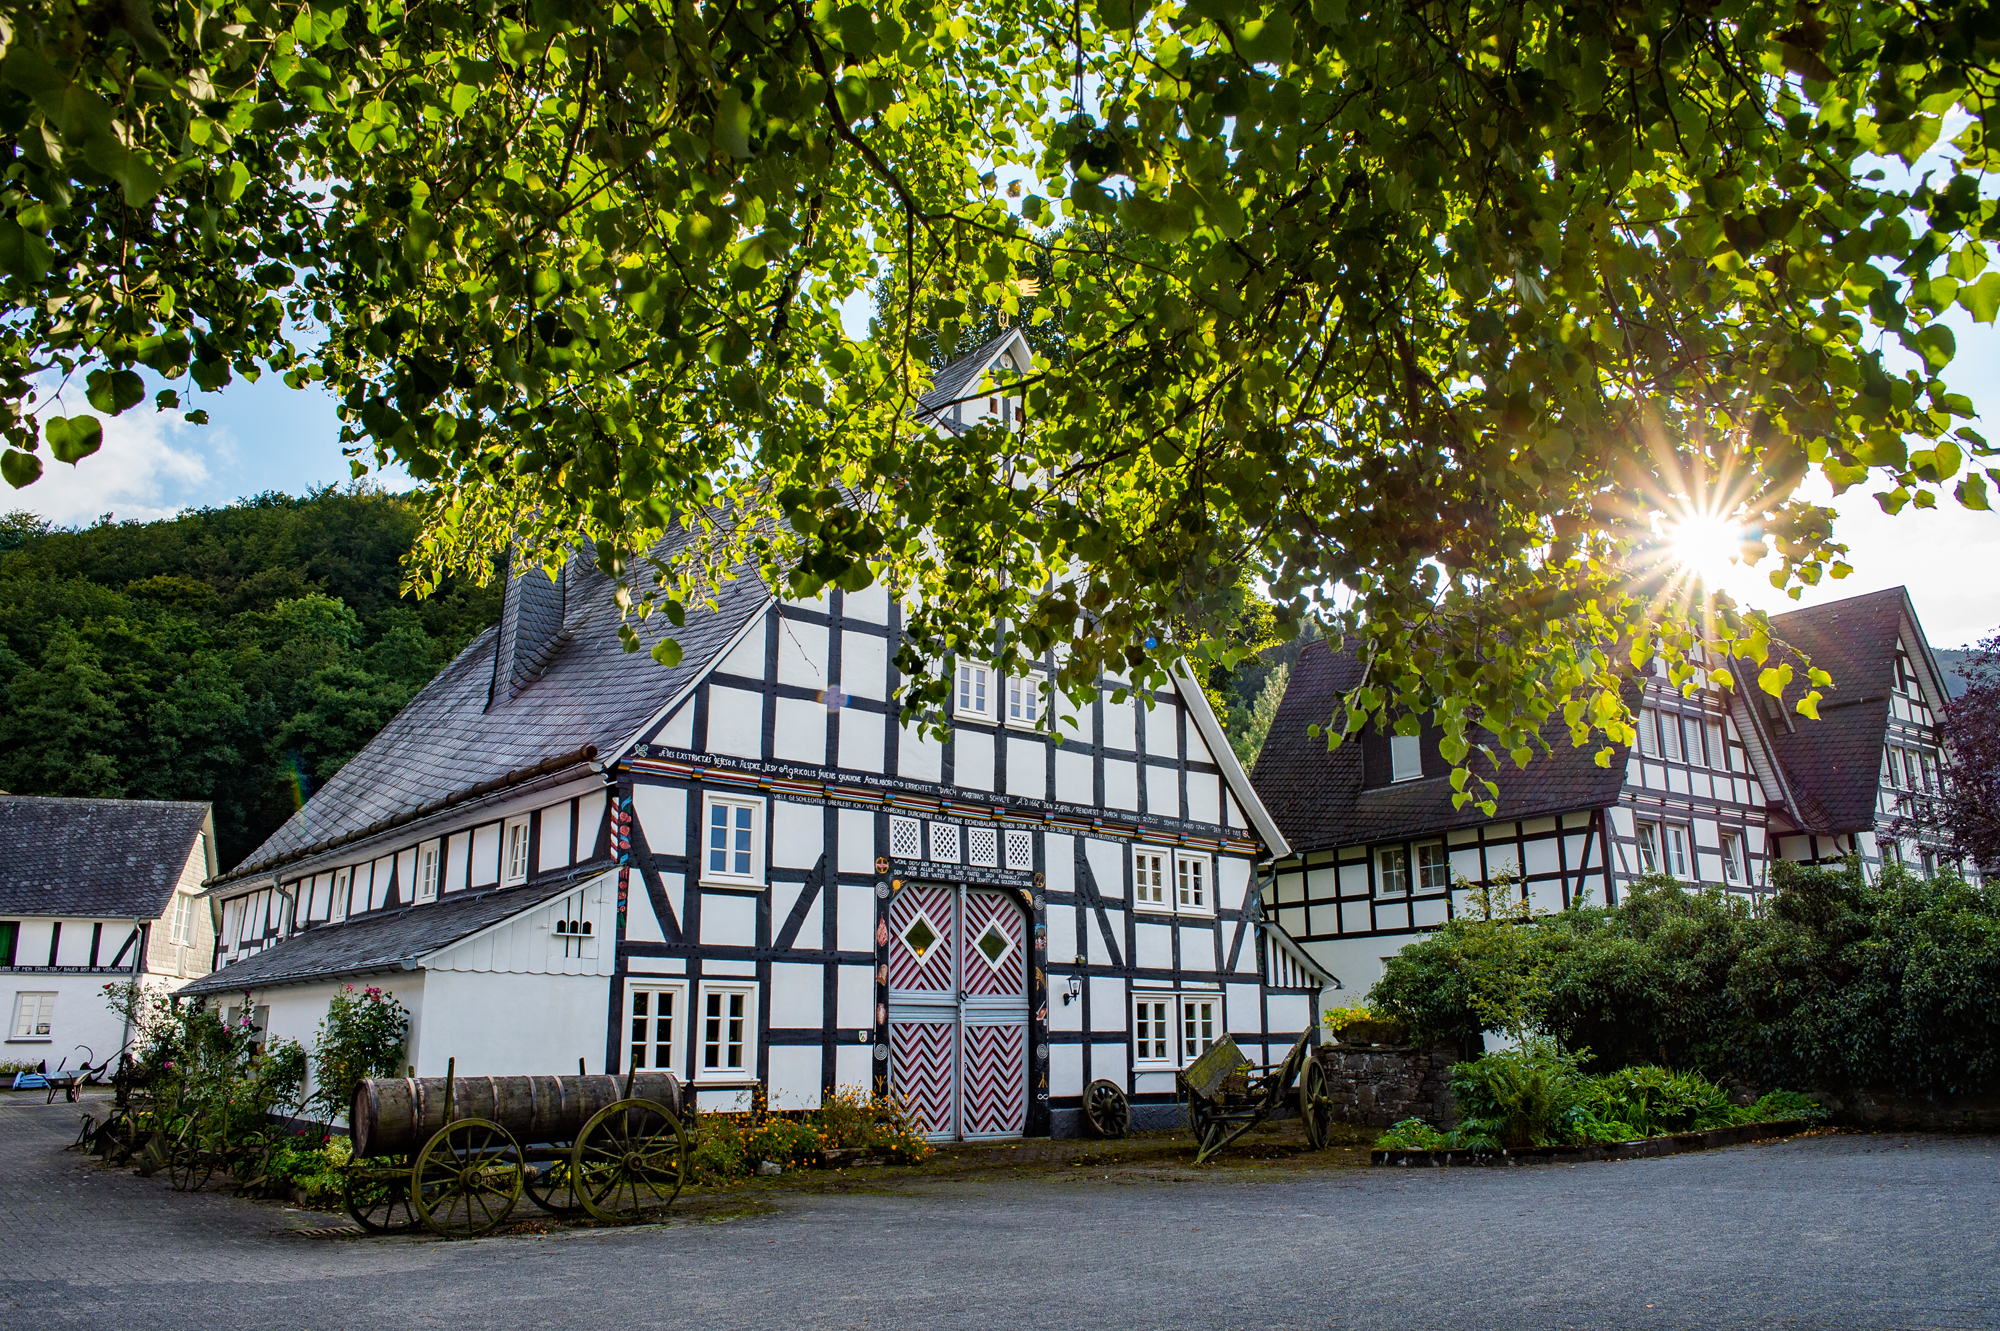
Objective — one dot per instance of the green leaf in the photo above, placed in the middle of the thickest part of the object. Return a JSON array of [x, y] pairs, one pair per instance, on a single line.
[[1971, 492], [72, 438], [667, 652], [1981, 299], [732, 124], [113, 391], [19, 468]]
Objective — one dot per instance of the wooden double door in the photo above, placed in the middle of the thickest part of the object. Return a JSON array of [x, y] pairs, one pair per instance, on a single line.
[[958, 1009]]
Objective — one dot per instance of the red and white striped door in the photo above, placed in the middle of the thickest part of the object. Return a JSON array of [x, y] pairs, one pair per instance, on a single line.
[[958, 1009]]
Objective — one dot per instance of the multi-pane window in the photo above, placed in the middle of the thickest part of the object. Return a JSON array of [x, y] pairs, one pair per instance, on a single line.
[[728, 1031], [1200, 1027], [1191, 889], [1433, 867], [1649, 847], [1677, 851], [1024, 700], [1732, 858], [1392, 871], [974, 696], [427, 872], [1152, 1030], [514, 857], [731, 850], [1149, 879], [654, 1014], [33, 1016], [183, 925]]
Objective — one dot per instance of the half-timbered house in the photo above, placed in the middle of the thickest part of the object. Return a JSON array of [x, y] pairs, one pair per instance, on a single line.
[[753, 868], [1720, 784], [94, 893]]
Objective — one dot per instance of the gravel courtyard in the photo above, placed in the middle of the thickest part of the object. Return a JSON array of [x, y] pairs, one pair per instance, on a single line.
[[1826, 1231]]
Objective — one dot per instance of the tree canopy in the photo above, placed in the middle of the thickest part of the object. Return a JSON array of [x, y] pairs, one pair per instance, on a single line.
[[238, 655], [1419, 315]]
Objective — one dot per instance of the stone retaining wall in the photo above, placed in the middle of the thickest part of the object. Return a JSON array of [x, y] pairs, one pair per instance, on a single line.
[[1375, 1085]]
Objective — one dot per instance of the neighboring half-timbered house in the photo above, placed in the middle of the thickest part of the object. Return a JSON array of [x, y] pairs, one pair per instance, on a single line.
[[751, 868], [94, 893], [1719, 785]]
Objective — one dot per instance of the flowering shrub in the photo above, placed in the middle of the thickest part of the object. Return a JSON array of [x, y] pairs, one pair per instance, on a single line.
[[312, 1166], [727, 1148], [362, 1035]]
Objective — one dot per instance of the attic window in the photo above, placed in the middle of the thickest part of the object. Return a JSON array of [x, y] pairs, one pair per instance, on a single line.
[[1406, 759]]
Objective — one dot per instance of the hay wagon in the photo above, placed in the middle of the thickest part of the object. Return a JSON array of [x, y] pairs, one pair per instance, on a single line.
[[455, 1153]]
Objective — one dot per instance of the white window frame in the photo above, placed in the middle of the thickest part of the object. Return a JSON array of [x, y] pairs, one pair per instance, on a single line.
[[1652, 845], [1420, 873], [428, 856], [181, 931], [746, 1069], [947, 843], [1024, 702], [1718, 745], [1194, 884], [1406, 758], [1649, 733], [1385, 875], [1670, 728], [728, 876], [1155, 1028], [676, 1025], [516, 847], [1188, 1030], [916, 830], [1733, 870], [1153, 879], [1679, 845], [974, 692], [34, 1015], [342, 898]]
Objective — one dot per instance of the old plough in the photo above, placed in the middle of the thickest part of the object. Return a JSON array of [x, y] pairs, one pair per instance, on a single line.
[[1226, 1095]]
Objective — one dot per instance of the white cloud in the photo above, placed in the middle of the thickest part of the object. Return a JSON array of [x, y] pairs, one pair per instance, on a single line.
[[148, 467]]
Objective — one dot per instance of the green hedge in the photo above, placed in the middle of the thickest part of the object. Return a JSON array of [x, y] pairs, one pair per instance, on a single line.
[[1830, 982]]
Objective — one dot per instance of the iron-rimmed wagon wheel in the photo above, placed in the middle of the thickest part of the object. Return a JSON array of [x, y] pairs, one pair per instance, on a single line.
[[1316, 1104], [631, 1157], [1106, 1109], [467, 1178], [552, 1186], [378, 1197]]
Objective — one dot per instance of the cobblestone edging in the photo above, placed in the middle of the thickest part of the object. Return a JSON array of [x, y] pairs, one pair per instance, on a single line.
[[1673, 1144]]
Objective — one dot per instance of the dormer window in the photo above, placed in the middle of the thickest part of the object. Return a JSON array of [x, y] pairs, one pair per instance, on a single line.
[[1406, 758], [514, 852], [427, 872]]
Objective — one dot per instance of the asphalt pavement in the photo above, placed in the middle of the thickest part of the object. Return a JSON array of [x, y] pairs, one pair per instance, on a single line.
[[1833, 1231]]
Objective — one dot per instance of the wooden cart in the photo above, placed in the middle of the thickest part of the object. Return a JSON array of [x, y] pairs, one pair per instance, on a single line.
[[455, 1153], [1227, 1095]]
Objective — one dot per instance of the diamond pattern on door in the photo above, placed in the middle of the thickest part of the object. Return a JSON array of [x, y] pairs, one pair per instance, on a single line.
[[920, 938], [990, 919], [995, 1090], [920, 1071]]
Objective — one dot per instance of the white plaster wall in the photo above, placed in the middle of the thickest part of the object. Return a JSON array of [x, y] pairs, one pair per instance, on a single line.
[[506, 1025]]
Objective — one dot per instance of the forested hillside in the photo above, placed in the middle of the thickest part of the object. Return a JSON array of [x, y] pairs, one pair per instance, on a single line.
[[238, 655]]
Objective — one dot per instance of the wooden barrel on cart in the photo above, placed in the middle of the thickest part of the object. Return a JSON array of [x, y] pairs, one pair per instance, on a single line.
[[397, 1115]]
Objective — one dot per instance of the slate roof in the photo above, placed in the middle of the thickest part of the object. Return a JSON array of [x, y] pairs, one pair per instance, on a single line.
[[1319, 801], [112, 858], [588, 692], [1835, 763], [956, 379], [377, 942]]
